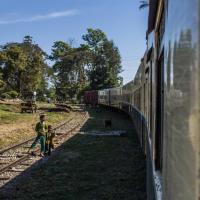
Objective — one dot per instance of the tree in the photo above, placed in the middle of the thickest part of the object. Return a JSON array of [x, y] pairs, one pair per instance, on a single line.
[[34, 77], [144, 4], [69, 73], [93, 65], [105, 62], [23, 66], [94, 38], [113, 64], [13, 62], [2, 83]]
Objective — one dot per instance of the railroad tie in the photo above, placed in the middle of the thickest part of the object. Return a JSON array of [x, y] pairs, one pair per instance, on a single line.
[[4, 178]]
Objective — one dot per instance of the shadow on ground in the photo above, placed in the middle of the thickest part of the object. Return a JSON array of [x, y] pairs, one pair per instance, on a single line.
[[87, 167]]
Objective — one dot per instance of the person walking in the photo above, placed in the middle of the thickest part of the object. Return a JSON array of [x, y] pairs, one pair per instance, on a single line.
[[41, 128]]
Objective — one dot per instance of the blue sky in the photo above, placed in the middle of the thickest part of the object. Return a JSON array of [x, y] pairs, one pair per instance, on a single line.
[[51, 20]]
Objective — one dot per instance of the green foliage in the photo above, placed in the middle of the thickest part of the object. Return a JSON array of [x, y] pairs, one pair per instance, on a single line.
[[105, 61], [93, 65], [59, 50], [9, 95], [5, 95], [69, 73], [51, 92], [2, 83], [94, 38], [13, 94], [13, 61], [22, 66]]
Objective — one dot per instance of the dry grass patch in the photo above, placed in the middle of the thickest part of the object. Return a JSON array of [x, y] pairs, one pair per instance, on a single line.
[[16, 127]]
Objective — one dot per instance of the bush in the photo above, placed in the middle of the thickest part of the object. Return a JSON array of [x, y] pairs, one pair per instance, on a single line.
[[5, 96], [9, 95], [13, 94]]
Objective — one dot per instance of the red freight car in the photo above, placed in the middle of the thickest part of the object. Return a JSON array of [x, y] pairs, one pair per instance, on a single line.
[[91, 97]]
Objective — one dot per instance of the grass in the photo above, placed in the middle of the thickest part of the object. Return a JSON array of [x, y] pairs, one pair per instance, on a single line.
[[11, 113], [16, 127], [90, 168], [45, 105], [97, 117]]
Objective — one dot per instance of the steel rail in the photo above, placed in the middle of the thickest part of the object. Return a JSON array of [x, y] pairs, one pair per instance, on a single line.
[[26, 157], [27, 141], [4, 169], [16, 145]]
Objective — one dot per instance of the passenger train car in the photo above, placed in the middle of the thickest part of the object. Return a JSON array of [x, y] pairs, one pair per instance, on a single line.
[[164, 100]]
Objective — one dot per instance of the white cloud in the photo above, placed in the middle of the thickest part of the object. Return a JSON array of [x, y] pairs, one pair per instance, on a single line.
[[35, 18]]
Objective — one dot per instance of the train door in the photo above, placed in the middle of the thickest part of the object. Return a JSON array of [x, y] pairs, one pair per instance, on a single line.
[[159, 113]]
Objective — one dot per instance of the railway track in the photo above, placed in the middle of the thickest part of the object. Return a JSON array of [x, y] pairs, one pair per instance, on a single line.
[[16, 159]]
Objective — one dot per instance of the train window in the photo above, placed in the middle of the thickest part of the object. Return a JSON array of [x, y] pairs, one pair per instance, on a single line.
[[159, 113]]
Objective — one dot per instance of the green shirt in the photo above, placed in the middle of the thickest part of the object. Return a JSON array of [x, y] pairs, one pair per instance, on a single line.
[[41, 128]]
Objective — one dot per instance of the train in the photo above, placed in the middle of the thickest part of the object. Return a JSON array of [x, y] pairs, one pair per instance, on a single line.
[[163, 100]]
